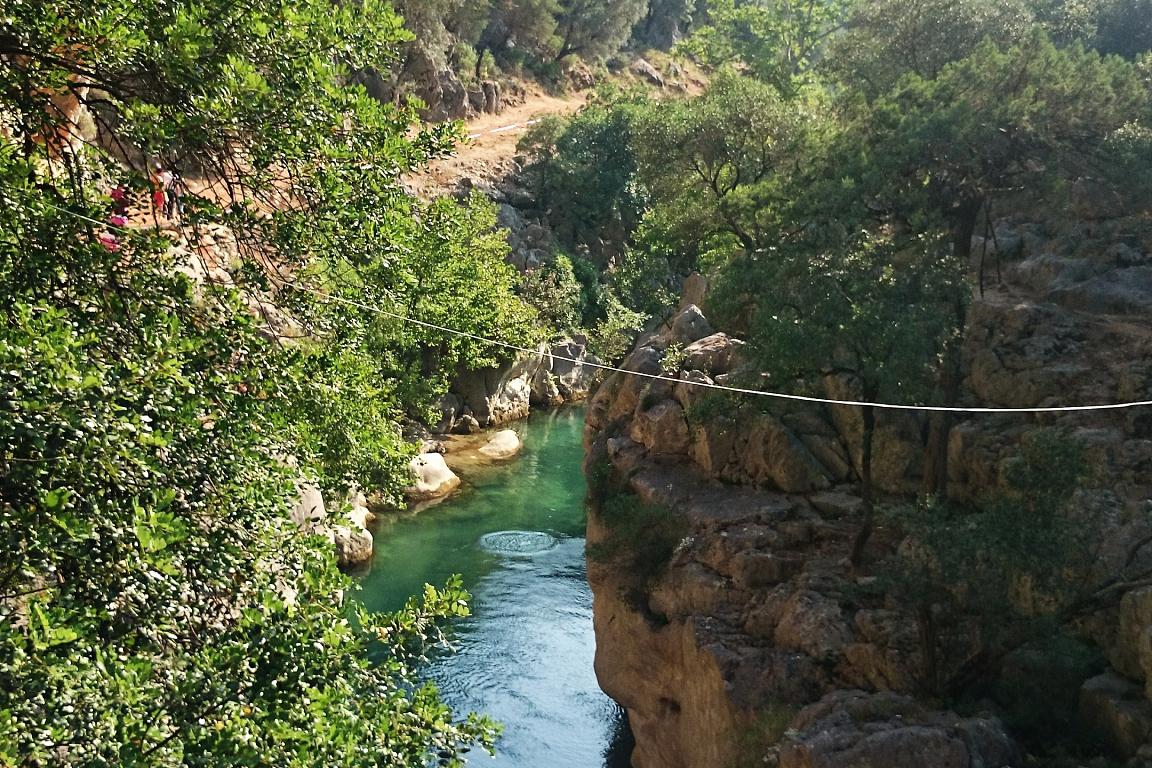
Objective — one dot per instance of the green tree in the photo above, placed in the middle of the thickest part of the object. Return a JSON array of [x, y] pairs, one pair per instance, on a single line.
[[717, 166], [157, 606], [777, 40], [594, 29], [585, 171], [883, 40], [522, 25], [935, 153], [553, 289], [872, 310]]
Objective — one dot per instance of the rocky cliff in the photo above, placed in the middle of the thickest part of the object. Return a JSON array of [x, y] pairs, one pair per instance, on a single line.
[[557, 373], [757, 635]]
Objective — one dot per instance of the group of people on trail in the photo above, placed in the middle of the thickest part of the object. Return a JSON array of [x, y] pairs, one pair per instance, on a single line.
[[167, 191]]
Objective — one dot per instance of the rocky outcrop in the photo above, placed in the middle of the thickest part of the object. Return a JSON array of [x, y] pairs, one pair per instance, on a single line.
[[502, 445], [425, 75], [556, 373], [758, 614], [856, 729], [1118, 712], [644, 70], [351, 537], [348, 531]]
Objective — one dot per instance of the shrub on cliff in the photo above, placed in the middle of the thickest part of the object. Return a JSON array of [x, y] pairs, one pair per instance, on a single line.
[[1002, 582], [642, 537]]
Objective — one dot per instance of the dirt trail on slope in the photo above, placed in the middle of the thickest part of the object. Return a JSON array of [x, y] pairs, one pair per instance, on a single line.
[[491, 144]]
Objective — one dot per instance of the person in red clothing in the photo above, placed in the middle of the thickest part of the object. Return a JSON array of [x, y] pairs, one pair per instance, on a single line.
[[161, 181], [119, 195]]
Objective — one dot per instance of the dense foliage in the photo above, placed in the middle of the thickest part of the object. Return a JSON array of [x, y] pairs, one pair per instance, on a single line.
[[169, 383]]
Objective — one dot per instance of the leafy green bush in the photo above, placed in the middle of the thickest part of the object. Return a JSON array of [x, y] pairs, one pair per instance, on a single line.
[[641, 535], [555, 293]]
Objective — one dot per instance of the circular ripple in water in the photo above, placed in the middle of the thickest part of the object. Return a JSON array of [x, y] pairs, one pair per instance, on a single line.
[[517, 542]]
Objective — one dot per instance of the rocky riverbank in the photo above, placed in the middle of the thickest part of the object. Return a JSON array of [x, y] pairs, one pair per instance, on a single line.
[[758, 640]]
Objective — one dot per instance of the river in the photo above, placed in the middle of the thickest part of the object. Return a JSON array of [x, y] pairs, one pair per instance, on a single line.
[[515, 532]]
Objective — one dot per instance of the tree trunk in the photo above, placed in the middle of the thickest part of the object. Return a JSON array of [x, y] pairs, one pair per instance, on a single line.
[[866, 491], [929, 640], [935, 481]]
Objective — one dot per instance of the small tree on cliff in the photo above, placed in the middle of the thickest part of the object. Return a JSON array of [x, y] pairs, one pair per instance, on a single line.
[[872, 311], [934, 153]]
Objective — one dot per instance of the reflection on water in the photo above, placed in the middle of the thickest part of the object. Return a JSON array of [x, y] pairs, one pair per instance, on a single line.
[[525, 656]]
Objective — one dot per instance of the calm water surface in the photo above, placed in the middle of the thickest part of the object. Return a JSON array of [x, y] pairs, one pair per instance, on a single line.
[[515, 533]]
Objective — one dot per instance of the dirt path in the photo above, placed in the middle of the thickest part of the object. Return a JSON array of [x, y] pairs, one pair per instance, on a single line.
[[491, 143]]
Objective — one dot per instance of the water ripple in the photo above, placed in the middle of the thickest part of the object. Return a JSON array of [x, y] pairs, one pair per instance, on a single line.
[[517, 542]]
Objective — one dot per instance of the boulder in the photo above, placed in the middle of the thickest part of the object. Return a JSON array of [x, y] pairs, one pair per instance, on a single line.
[[573, 377], [689, 325], [773, 455], [1094, 200], [694, 291], [500, 394], [643, 69], [852, 729], [1116, 710], [1131, 653], [449, 406], [493, 103], [813, 624], [662, 429], [309, 508], [432, 479], [837, 504], [714, 355], [1121, 292], [503, 445], [466, 424], [350, 537], [353, 545]]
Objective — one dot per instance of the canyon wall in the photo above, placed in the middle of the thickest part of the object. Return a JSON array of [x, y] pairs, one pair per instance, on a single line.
[[758, 641]]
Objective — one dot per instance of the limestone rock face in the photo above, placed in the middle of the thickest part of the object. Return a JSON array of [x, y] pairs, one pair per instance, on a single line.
[[309, 508], [431, 478], [661, 429], [852, 729], [554, 374], [1118, 712], [714, 355], [694, 291], [813, 624], [759, 611], [641, 68], [689, 325], [353, 545]]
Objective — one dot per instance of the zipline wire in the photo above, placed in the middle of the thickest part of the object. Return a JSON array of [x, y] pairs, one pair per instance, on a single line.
[[722, 387], [661, 377]]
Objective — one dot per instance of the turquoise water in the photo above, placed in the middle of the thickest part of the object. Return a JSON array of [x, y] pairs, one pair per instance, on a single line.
[[515, 533]]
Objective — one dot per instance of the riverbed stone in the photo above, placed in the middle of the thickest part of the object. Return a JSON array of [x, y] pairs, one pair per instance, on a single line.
[[502, 445], [431, 478]]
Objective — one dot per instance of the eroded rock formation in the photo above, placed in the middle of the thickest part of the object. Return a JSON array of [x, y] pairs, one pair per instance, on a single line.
[[556, 373], [759, 614]]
